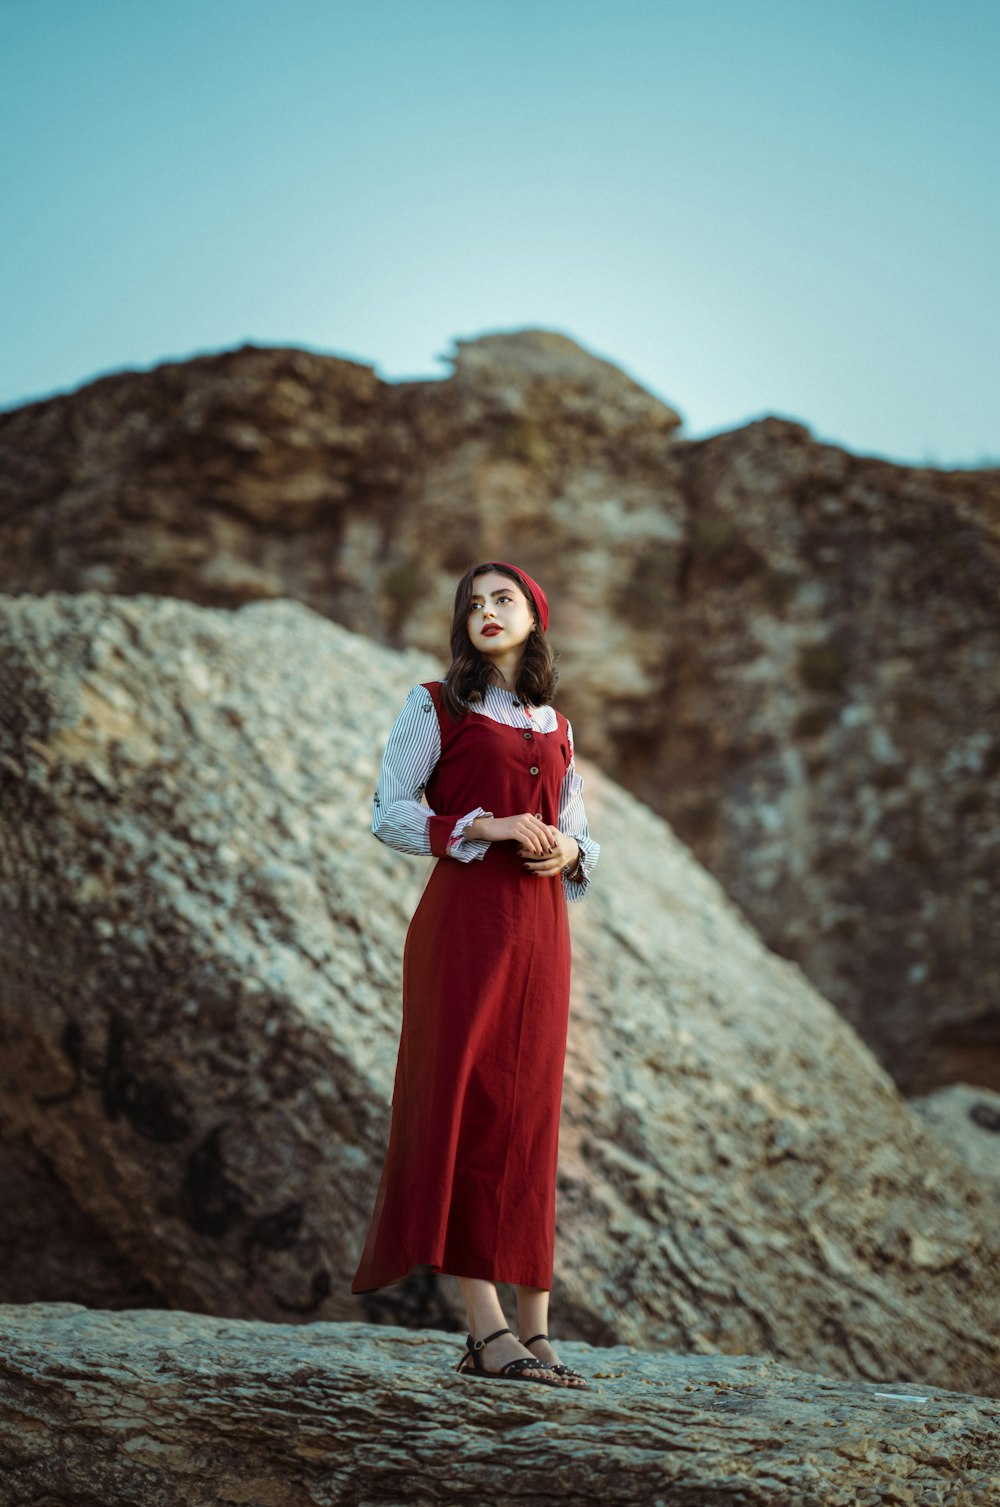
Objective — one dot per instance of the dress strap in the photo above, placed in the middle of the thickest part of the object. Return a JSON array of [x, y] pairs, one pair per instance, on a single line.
[[562, 731]]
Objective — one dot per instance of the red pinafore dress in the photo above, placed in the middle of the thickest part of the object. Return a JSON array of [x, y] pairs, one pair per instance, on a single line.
[[469, 1180]]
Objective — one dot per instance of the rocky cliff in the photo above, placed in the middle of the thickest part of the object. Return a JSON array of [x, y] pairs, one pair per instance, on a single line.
[[200, 959], [788, 651]]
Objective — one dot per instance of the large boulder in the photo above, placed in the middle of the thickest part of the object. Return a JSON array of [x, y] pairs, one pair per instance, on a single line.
[[785, 649], [104, 1410], [199, 998], [50, 1248]]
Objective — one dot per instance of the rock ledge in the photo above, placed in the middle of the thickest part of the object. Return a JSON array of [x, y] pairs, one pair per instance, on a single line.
[[166, 1407]]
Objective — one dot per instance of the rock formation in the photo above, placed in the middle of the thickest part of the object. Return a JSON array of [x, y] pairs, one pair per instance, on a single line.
[[788, 651], [103, 1410], [200, 961], [967, 1120], [49, 1247]]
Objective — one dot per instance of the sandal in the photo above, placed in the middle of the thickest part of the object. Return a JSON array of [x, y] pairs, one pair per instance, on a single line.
[[557, 1367], [512, 1369]]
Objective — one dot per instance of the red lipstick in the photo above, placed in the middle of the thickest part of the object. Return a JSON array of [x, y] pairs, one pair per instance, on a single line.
[[491, 629]]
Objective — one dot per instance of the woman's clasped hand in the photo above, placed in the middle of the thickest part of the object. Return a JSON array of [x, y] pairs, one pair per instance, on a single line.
[[545, 849]]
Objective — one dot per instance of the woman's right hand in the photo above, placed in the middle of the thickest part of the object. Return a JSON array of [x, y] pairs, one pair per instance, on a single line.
[[532, 833]]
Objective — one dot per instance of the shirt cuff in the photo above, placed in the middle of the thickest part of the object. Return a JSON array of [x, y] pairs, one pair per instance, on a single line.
[[577, 882], [447, 840], [465, 849]]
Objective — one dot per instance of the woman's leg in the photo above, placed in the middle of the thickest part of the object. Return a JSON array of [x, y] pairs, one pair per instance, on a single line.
[[484, 1313], [532, 1319], [532, 1311], [482, 1306]]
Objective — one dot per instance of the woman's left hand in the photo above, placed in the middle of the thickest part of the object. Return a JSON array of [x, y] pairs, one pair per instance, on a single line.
[[564, 853]]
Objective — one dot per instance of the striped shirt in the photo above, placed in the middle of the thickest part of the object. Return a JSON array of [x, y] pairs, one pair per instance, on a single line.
[[402, 820]]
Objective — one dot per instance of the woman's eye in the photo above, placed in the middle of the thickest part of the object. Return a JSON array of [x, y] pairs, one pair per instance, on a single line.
[[478, 606]]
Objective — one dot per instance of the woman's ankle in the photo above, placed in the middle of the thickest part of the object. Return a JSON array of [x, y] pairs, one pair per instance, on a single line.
[[482, 1306]]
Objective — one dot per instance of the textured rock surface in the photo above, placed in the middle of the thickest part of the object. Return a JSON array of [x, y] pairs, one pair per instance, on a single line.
[[200, 964], [966, 1119], [50, 1250], [842, 767], [109, 1409], [787, 650]]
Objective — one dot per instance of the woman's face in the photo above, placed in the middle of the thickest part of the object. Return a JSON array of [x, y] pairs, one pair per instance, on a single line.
[[500, 618]]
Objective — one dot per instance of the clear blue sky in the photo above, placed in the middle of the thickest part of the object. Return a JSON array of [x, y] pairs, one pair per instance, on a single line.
[[753, 206]]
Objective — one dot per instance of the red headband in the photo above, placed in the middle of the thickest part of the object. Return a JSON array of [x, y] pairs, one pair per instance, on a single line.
[[541, 600]]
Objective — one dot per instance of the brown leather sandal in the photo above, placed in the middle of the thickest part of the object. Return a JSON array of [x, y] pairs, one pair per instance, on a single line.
[[512, 1370], [555, 1366]]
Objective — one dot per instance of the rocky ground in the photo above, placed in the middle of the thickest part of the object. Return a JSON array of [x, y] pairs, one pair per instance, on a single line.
[[107, 1409]]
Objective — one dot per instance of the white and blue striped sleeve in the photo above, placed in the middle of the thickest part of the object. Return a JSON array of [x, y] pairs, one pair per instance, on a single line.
[[399, 817], [573, 821]]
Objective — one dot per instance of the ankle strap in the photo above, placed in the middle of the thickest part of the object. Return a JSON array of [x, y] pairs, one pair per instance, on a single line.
[[534, 1337], [478, 1344]]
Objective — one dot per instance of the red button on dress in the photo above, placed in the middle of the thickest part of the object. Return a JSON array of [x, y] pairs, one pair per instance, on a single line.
[[469, 1180]]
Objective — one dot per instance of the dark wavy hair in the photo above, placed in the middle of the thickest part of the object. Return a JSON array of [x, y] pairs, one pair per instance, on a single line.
[[470, 671]]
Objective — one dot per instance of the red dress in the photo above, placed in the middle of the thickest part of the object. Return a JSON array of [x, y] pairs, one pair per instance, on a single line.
[[469, 1181]]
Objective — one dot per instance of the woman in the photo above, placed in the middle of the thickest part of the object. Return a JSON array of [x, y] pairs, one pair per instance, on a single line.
[[468, 1185]]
